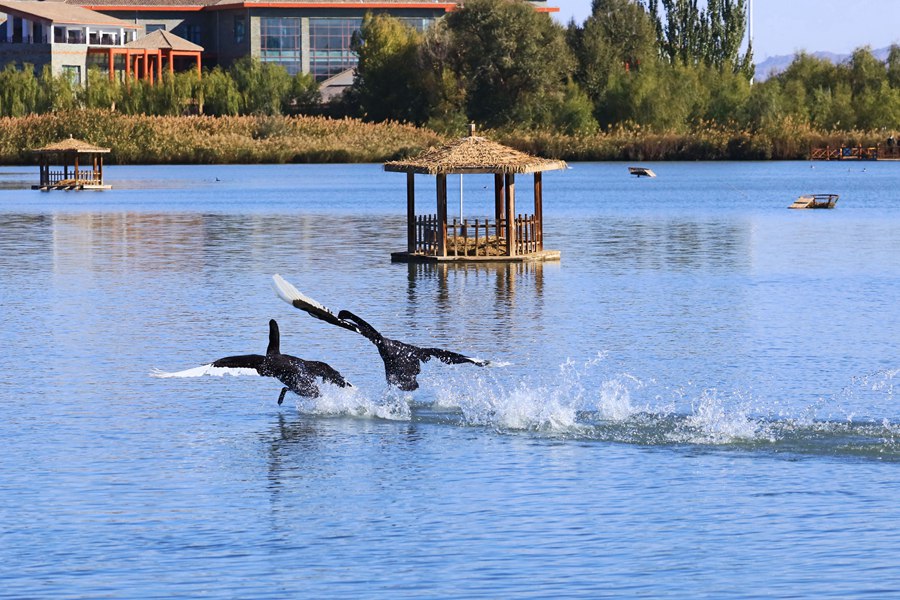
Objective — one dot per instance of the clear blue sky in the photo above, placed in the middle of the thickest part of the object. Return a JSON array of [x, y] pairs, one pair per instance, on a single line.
[[787, 26]]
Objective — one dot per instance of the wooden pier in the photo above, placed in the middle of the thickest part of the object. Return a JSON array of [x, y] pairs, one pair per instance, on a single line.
[[877, 152]]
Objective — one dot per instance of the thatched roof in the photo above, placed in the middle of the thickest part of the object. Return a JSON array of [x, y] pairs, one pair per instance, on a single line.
[[72, 145], [473, 155], [163, 40]]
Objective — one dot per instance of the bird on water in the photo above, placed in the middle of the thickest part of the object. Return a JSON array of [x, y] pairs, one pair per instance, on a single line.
[[296, 374], [402, 361]]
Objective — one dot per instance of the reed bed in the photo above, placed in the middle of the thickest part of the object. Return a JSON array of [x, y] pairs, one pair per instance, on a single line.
[[786, 140], [302, 139], [215, 140]]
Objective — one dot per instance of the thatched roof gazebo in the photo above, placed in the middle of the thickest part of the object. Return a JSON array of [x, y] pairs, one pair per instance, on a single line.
[[510, 237], [74, 153]]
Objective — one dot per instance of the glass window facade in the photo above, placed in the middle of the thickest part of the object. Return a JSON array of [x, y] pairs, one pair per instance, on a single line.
[[329, 46], [281, 42]]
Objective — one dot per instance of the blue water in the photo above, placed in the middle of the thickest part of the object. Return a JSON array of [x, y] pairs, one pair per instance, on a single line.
[[699, 401]]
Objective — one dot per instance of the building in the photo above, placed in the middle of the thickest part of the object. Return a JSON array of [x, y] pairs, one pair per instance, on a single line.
[[57, 34], [69, 39], [302, 36]]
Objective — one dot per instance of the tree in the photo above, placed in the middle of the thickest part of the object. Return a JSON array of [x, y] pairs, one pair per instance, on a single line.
[[18, 91], [443, 88], [713, 36], [386, 85], [55, 93], [262, 87], [219, 94], [303, 94], [512, 60], [618, 36], [100, 91]]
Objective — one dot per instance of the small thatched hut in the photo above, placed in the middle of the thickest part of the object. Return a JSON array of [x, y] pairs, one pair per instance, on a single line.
[[510, 237], [61, 166]]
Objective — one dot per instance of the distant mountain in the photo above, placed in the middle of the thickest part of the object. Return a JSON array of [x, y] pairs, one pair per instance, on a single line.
[[776, 64]]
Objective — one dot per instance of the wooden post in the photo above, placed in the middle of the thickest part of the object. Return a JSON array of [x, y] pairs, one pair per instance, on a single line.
[[442, 214], [539, 210], [101, 169], [199, 68], [498, 200], [112, 65], [410, 212], [159, 58], [77, 174], [510, 212]]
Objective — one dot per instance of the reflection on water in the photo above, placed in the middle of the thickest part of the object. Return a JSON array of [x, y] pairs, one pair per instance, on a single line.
[[697, 369]]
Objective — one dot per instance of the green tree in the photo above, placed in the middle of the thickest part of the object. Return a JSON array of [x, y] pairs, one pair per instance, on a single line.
[[893, 66], [618, 36], [303, 94], [100, 91], [55, 93], [512, 59], [386, 85], [574, 113], [443, 88], [262, 86], [219, 93], [18, 91], [714, 35]]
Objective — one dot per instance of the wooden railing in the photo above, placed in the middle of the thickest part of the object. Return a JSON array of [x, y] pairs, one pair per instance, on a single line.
[[845, 153], [527, 235], [477, 237], [84, 176]]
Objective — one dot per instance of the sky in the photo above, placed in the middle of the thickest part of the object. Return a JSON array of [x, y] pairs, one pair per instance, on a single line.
[[788, 26]]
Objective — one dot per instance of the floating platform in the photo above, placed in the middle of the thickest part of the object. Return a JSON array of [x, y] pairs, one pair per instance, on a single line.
[[71, 184], [416, 257], [641, 172], [815, 201]]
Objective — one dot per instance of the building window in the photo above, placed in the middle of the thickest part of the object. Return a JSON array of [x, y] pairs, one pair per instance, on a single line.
[[151, 27], [281, 42], [192, 33], [72, 73], [75, 36], [239, 29], [329, 46]]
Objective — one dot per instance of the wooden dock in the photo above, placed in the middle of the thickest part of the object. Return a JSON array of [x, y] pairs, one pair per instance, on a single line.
[[877, 152], [72, 184]]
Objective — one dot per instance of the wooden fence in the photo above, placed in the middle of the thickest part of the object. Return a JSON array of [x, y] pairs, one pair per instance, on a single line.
[[84, 176], [845, 153], [478, 237]]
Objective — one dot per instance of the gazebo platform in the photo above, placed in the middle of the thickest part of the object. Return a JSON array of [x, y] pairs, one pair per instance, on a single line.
[[62, 166], [417, 257], [504, 236]]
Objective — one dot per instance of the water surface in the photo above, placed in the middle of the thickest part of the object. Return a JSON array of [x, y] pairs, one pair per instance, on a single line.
[[699, 400]]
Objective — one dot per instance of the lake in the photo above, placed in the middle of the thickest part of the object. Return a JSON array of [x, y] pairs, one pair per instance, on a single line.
[[697, 401]]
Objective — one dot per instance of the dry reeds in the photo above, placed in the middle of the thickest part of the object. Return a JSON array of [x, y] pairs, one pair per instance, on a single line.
[[209, 140]]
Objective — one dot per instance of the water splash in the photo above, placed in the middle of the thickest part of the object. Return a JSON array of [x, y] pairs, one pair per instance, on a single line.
[[352, 402], [592, 400]]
